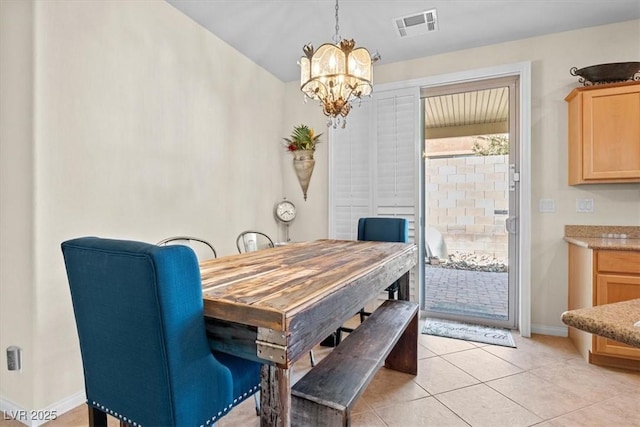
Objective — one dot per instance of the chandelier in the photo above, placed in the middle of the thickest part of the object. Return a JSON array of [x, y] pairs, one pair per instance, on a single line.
[[336, 74]]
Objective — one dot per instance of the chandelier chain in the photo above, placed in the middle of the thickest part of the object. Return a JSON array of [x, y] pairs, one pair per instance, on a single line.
[[336, 37]]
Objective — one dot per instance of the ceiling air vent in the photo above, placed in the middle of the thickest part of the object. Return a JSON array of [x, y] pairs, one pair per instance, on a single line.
[[417, 23]]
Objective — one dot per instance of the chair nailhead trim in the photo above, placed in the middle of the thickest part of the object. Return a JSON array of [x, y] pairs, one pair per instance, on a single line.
[[212, 419], [115, 414], [209, 421]]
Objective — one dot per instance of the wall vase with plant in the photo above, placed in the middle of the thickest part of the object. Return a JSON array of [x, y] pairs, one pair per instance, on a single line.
[[302, 144]]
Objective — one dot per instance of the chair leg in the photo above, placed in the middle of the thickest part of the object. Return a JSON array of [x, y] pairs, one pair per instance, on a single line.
[[97, 418], [312, 359], [256, 397]]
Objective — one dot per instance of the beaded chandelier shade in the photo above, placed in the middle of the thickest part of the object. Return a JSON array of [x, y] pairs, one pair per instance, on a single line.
[[336, 74]]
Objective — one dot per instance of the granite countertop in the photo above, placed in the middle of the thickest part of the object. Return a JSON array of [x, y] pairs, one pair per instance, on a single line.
[[619, 238], [615, 321]]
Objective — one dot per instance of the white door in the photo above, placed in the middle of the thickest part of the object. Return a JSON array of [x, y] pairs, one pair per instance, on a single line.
[[472, 199], [356, 159]]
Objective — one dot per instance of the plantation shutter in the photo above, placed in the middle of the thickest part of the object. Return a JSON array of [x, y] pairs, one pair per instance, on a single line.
[[396, 118], [374, 159], [350, 177], [373, 167]]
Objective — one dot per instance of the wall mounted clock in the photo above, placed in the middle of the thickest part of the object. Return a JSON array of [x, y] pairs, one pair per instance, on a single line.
[[285, 211]]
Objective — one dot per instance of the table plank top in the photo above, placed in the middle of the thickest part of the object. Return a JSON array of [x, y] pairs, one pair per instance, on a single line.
[[266, 288]]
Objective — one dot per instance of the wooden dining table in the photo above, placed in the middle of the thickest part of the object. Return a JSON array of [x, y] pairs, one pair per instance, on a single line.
[[275, 305]]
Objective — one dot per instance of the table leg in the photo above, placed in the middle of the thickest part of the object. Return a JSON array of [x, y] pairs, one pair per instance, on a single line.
[[275, 397], [404, 288]]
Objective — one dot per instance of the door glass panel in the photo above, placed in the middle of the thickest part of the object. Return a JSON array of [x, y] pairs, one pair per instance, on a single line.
[[468, 216]]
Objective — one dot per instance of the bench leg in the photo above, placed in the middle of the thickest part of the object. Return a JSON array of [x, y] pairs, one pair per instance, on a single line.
[[275, 396], [404, 355]]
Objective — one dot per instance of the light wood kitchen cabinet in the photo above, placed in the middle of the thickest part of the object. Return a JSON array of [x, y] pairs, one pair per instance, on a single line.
[[617, 279], [604, 134], [599, 277]]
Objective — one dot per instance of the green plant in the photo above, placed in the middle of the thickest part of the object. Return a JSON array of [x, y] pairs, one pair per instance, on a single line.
[[491, 145], [302, 138]]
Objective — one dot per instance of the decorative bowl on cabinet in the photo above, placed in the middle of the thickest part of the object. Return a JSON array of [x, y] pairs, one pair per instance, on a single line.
[[607, 73]]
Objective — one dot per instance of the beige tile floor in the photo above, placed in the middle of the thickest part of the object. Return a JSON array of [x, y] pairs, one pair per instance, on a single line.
[[543, 382]]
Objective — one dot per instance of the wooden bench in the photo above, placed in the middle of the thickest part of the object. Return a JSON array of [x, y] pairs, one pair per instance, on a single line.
[[326, 395]]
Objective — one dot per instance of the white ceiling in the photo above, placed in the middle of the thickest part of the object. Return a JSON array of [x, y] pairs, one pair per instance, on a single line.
[[272, 32]]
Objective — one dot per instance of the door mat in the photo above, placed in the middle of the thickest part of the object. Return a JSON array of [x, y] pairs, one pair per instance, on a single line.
[[468, 332]]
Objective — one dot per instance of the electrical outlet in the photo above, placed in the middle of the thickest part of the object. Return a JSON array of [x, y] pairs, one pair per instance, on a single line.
[[584, 205], [14, 358]]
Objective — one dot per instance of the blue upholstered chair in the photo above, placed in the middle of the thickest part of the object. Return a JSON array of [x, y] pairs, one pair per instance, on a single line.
[[382, 229], [145, 354]]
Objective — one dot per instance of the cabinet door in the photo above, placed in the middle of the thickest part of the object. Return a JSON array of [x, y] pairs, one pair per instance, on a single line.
[[612, 288], [611, 133]]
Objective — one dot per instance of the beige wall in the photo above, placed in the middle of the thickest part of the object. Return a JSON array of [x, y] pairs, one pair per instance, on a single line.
[[17, 292], [551, 57], [131, 121]]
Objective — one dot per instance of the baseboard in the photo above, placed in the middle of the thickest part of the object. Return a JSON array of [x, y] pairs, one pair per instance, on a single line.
[[11, 411], [33, 418], [557, 331], [614, 362]]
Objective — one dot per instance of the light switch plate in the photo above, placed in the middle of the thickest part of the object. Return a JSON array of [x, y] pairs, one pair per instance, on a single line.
[[546, 205]]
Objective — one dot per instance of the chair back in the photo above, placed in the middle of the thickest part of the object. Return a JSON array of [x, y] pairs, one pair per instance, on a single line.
[[249, 241], [383, 229], [202, 248], [139, 315]]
